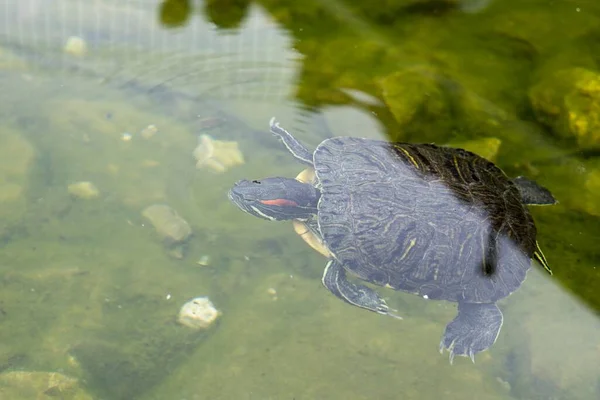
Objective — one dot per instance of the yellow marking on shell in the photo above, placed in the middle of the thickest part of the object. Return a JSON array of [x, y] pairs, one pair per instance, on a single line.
[[462, 246], [539, 256], [410, 246], [458, 168], [412, 160]]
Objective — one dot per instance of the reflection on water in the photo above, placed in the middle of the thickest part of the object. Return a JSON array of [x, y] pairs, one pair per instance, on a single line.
[[91, 289]]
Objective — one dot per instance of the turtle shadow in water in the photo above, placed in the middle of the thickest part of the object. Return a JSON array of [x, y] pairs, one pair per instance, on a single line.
[[516, 368], [134, 353]]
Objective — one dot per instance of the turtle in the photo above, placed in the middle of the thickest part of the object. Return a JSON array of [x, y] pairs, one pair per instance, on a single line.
[[439, 222]]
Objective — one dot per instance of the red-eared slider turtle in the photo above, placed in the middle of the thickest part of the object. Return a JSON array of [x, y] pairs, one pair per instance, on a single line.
[[439, 222]]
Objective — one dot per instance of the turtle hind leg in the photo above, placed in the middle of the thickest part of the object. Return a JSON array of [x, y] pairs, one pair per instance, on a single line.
[[297, 149], [532, 193], [475, 329], [334, 279]]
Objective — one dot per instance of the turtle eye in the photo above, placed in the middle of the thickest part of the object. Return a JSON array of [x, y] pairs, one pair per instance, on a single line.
[[255, 181]]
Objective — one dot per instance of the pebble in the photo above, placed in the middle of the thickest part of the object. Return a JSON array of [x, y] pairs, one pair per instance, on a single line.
[[273, 293], [149, 131], [75, 46], [204, 261], [83, 190]]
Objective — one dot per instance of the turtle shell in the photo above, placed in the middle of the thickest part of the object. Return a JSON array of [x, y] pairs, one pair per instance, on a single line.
[[435, 221]]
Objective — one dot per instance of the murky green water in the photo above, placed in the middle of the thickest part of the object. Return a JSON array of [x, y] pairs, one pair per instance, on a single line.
[[89, 294]]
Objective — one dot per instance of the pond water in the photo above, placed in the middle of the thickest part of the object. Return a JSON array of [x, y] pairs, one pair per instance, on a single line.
[[103, 105]]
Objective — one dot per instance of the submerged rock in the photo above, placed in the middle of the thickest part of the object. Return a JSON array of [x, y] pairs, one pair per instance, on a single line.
[[204, 260], [75, 46], [32, 385], [168, 224], [83, 190], [149, 131], [217, 155], [173, 230], [417, 101], [568, 101], [410, 92], [198, 313]]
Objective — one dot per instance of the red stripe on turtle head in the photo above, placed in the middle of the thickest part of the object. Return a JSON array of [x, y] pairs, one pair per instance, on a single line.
[[279, 202]]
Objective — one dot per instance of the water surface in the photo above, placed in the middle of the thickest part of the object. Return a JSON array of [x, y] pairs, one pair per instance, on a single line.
[[89, 290]]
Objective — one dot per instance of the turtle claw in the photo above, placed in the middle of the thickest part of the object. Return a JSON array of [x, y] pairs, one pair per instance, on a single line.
[[451, 358], [456, 348], [450, 348], [452, 354], [392, 313], [384, 309], [273, 122], [274, 127]]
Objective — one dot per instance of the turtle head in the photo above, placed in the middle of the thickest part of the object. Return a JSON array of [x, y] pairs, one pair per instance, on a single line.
[[275, 199]]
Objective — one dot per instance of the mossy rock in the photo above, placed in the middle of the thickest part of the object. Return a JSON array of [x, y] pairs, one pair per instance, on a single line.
[[568, 101], [417, 102], [408, 91]]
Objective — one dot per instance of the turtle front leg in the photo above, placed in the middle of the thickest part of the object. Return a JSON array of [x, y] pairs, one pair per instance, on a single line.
[[334, 279], [475, 329], [297, 149]]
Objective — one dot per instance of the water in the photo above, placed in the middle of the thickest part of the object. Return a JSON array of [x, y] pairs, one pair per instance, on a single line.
[[90, 291]]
